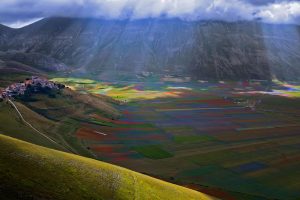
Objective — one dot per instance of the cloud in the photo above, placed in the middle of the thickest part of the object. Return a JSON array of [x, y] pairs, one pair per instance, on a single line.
[[18, 12], [284, 12], [22, 23]]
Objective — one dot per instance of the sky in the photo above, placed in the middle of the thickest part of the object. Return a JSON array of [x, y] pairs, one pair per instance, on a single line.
[[18, 13]]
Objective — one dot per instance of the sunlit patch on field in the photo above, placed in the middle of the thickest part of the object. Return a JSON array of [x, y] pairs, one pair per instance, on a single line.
[[179, 88], [123, 92], [281, 89]]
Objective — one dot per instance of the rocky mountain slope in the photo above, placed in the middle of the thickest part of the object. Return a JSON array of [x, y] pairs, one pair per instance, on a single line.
[[37, 60], [203, 49], [4, 32]]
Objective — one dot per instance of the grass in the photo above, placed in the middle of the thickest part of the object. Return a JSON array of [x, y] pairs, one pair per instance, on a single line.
[[71, 103], [56, 118], [192, 138], [67, 129], [40, 173], [9, 78], [199, 171], [11, 125], [119, 92], [153, 152], [111, 124], [271, 101], [215, 157], [74, 80]]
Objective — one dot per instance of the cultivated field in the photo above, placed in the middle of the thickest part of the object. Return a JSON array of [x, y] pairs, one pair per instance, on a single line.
[[233, 140]]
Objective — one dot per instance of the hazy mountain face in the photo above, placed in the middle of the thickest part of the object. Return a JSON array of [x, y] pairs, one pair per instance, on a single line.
[[4, 32], [216, 50]]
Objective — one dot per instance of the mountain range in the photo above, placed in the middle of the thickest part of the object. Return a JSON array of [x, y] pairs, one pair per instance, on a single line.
[[200, 49]]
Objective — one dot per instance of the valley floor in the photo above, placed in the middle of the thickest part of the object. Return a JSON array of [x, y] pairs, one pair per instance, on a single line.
[[231, 140]]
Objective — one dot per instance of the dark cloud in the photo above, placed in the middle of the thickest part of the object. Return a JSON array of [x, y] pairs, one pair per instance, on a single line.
[[261, 2], [18, 12]]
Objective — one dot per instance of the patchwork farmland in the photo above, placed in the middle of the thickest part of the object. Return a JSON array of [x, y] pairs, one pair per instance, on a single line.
[[236, 140]]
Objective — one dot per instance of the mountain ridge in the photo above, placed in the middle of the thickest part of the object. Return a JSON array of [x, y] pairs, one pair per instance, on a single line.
[[201, 49]]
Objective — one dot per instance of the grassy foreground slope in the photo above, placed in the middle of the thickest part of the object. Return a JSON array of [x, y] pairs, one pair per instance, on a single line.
[[29, 171]]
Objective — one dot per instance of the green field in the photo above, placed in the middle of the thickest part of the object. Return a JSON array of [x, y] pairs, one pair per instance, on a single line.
[[58, 175], [153, 152], [192, 138], [55, 117]]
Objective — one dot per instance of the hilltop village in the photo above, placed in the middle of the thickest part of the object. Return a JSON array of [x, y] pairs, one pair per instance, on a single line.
[[30, 86]]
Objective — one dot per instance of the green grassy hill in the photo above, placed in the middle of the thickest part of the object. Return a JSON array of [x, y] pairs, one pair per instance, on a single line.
[[57, 117], [29, 171]]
